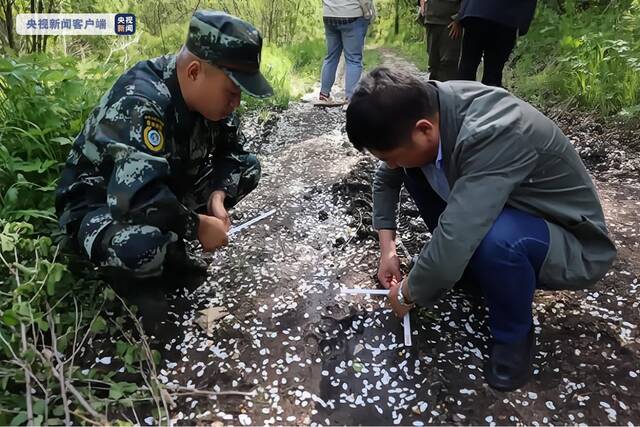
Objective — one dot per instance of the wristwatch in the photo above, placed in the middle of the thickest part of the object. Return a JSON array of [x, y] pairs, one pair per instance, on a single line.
[[401, 299]]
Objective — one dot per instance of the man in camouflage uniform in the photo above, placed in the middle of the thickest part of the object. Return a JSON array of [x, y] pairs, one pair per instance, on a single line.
[[160, 160], [444, 39]]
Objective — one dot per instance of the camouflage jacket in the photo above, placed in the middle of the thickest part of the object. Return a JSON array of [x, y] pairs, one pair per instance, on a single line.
[[141, 151]]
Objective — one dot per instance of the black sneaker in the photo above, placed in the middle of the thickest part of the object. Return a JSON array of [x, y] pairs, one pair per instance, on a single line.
[[510, 364]]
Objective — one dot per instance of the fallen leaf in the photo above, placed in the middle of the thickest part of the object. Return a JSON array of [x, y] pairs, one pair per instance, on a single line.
[[209, 317], [358, 348], [167, 398]]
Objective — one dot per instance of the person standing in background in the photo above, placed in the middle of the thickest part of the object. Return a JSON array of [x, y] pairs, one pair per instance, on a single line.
[[491, 28], [444, 40], [345, 25]]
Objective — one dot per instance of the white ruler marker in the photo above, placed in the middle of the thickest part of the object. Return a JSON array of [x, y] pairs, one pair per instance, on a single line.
[[249, 223], [406, 322], [407, 330], [407, 326], [365, 291]]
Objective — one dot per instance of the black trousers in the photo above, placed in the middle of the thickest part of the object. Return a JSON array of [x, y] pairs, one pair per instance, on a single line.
[[488, 39]]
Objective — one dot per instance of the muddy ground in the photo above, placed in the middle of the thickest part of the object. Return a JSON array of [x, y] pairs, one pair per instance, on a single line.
[[304, 354]]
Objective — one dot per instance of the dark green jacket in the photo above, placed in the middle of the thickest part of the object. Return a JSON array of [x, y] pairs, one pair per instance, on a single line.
[[500, 151], [441, 12]]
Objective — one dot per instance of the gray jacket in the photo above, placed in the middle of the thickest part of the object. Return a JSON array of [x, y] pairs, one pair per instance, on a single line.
[[498, 150]]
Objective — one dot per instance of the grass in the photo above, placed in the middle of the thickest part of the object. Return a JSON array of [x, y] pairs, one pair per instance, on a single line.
[[409, 41], [56, 314], [372, 58], [410, 45], [294, 70], [291, 71], [589, 57], [415, 52]]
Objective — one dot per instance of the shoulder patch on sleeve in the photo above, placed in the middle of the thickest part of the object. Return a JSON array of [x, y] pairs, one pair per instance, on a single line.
[[153, 133]]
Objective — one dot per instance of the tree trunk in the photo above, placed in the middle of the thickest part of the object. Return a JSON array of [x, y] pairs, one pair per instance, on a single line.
[[52, 5], [294, 22], [34, 37], [8, 16], [396, 26], [40, 38], [273, 5], [164, 47], [278, 22]]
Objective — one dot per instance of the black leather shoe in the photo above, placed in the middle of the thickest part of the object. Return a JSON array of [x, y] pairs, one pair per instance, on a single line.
[[510, 364], [181, 260], [153, 309], [148, 295]]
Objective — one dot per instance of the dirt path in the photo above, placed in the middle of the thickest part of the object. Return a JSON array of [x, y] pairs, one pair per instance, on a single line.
[[308, 355]]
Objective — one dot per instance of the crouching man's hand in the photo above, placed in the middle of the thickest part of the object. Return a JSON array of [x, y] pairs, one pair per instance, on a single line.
[[212, 233], [216, 207], [400, 309], [389, 270], [389, 264]]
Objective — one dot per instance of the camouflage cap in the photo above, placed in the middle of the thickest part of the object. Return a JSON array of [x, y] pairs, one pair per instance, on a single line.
[[231, 44]]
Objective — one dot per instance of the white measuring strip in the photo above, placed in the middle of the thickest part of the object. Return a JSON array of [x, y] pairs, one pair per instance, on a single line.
[[406, 323], [407, 326], [365, 291], [249, 223]]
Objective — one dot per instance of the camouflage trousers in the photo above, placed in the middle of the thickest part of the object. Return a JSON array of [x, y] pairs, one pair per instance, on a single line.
[[139, 250]]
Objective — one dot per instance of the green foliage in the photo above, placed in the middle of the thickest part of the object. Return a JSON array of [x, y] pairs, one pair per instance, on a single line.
[[45, 307], [43, 105], [32, 277], [278, 67], [416, 52], [372, 58], [410, 39], [52, 321], [307, 56], [587, 55]]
